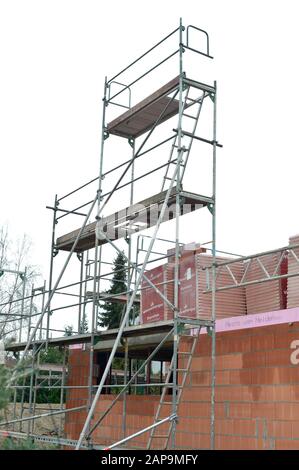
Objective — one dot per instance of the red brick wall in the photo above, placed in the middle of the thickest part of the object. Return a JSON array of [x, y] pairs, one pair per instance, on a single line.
[[257, 392], [257, 396], [140, 414], [78, 373]]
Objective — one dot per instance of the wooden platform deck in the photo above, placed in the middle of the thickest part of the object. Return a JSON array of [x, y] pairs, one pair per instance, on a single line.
[[141, 117], [129, 331], [132, 219]]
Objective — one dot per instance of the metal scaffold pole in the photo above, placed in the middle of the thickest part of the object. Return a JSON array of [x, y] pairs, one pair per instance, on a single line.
[[53, 253], [23, 303], [81, 297], [129, 281], [177, 245], [213, 330]]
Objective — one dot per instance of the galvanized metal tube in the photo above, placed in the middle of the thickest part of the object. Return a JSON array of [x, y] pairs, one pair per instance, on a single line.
[[142, 431], [44, 415], [213, 352], [147, 72], [144, 175], [30, 312], [80, 292], [51, 268], [130, 273], [36, 374], [23, 303], [252, 283], [32, 374], [42, 308], [177, 246], [143, 55]]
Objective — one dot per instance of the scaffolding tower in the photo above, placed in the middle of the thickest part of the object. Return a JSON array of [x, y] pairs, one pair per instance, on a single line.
[[141, 121], [179, 104], [158, 132]]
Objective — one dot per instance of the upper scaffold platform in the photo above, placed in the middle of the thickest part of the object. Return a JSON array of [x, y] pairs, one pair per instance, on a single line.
[[141, 117], [132, 219], [158, 106]]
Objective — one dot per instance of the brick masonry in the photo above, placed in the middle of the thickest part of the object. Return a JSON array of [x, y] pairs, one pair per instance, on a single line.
[[257, 395]]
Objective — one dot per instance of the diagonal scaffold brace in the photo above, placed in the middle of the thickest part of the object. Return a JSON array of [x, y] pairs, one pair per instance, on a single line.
[[130, 303]]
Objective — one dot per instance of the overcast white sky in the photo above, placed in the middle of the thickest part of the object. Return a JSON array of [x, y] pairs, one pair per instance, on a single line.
[[54, 56]]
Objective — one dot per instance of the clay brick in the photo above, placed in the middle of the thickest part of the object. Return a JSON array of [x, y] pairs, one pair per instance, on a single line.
[[223, 377], [199, 441], [200, 378], [201, 363], [295, 429], [254, 359], [185, 344], [196, 393], [286, 411], [203, 346], [285, 392], [275, 375], [263, 410], [281, 429], [194, 409], [233, 345], [243, 377], [282, 341], [243, 427], [278, 357], [196, 425], [262, 342], [144, 408], [229, 361], [240, 410], [241, 393], [263, 375], [235, 443], [281, 444]]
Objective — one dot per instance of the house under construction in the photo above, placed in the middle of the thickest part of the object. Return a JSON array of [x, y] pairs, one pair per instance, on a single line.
[[207, 340]]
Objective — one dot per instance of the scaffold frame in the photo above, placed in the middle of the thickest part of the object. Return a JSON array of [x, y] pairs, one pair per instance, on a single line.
[[89, 241]]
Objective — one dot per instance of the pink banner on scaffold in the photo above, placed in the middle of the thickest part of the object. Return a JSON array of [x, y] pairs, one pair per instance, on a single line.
[[256, 320]]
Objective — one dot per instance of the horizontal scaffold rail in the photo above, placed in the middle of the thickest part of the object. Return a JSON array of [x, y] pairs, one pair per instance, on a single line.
[[45, 439], [116, 298]]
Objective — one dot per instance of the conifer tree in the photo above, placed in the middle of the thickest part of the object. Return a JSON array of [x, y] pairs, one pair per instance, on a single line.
[[111, 312]]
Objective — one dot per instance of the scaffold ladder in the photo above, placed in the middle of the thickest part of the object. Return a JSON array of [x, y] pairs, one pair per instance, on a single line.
[[187, 103], [165, 403]]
